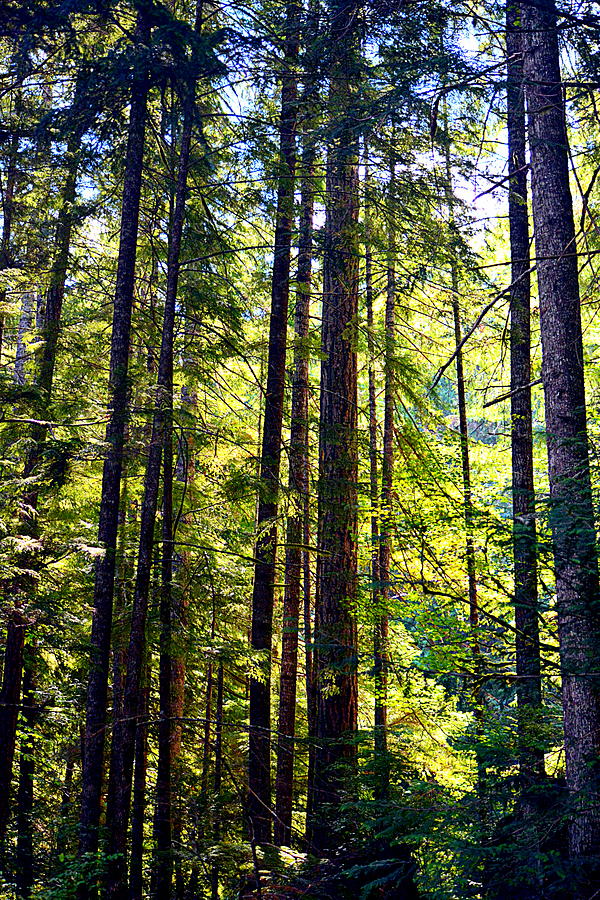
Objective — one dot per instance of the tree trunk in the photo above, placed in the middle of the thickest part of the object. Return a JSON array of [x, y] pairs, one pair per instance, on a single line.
[[8, 206], [25, 859], [163, 821], [121, 771], [214, 876], [463, 427], [296, 544], [93, 763], [58, 274], [65, 802], [23, 330], [335, 660], [373, 465], [10, 696], [387, 474], [572, 512], [527, 640], [138, 805], [178, 666], [259, 757], [45, 373]]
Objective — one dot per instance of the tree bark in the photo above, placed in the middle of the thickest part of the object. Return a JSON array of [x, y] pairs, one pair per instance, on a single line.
[[25, 857], [527, 638], [214, 876], [335, 642], [10, 696], [296, 543], [66, 801], [163, 820], [572, 512], [93, 763], [45, 372], [387, 474], [259, 757], [8, 206], [121, 772], [24, 329], [138, 806]]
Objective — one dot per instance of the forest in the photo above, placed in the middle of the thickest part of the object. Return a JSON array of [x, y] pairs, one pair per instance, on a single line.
[[299, 409]]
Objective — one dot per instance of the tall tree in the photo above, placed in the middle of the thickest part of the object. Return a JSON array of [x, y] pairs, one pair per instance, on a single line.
[[387, 474], [373, 455], [296, 549], [45, 368], [10, 696], [25, 851], [335, 626], [138, 805], [93, 761], [123, 742], [163, 819], [527, 638], [571, 506], [259, 757]]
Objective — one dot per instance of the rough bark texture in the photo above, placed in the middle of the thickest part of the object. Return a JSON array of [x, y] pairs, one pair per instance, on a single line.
[[121, 772], [10, 696], [259, 757], [93, 763], [58, 274], [44, 377], [335, 627], [138, 805], [214, 876], [163, 818], [572, 514], [23, 331], [8, 195], [527, 639], [25, 859], [373, 461], [296, 549]]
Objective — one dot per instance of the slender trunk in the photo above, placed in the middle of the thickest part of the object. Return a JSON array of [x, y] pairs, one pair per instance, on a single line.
[[259, 757], [12, 672], [214, 875], [23, 330], [8, 205], [178, 666], [373, 476], [572, 511], [8, 195], [476, 689], [45, 371], [119, 638], [10, 696], [296, 547], [65, 802], [207, 731], [138, 804], [93, 763], [92, 776], [335, 642], [24, 861], [527, 641], [121, 771], [58, 274], [163, 820], [387, 474], [468, 512], [466, 472]]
